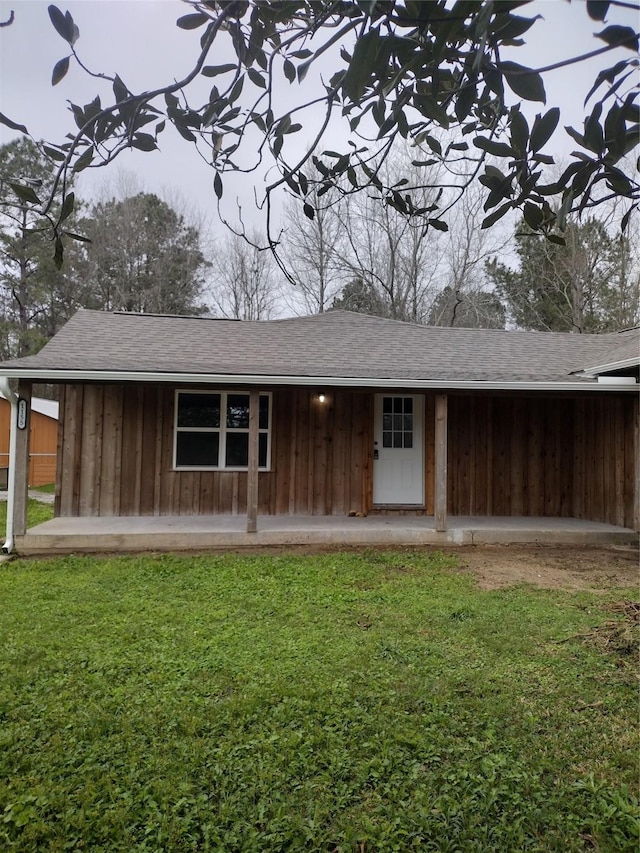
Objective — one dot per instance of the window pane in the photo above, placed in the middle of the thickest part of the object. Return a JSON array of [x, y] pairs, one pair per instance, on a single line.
[[408, 439], [238, 411], [408, 423], [263, 420], [408, 405], [397, 439], [197, 448], [387, 422], [386, 439], [237, 450], [397, 405], [262, 450], [387, 405], [397, 422], [199, 410]]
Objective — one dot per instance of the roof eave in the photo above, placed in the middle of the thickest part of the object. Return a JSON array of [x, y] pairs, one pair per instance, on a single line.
[[609, 367], [73, 375]]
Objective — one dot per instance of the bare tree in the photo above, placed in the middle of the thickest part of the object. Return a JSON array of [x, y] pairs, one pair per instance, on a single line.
[[309, 247], [396, 255], [244, 285], [466, 298]]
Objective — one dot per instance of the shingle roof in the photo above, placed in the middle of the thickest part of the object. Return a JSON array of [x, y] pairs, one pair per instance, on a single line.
[[335, 344]]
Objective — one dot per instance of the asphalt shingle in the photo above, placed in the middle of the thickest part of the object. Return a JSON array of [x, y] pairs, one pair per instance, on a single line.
[[336, 344]]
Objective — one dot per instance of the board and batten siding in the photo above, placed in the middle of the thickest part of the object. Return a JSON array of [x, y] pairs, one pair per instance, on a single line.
[[507, 456], [533, 456], [116, 456]]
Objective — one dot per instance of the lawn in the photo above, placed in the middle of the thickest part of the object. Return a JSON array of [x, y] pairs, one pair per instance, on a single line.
[[37, 512], [340, 702]]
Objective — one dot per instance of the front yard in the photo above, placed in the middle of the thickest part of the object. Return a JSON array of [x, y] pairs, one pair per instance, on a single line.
[[363, 702]]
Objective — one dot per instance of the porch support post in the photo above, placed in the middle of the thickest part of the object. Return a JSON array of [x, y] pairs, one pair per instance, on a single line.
[[636, 479], [441, 462], [252, 473], [21, 494]]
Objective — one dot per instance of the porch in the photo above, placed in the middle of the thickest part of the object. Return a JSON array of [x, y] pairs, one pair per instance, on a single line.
[[188, 532]]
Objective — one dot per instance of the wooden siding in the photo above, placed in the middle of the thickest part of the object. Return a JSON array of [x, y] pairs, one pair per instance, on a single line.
[[43, 442], [533, 456], [116, 456], [508, 456]]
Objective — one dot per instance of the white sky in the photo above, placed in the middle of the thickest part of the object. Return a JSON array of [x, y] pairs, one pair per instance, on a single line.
[[139, 40]]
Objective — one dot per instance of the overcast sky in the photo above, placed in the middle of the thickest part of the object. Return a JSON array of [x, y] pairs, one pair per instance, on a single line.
[[139, 40]]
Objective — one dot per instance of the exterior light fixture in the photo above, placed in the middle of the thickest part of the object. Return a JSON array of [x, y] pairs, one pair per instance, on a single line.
[[321, 398]]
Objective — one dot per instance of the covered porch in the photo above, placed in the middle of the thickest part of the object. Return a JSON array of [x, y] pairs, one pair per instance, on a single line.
[[180, 533]]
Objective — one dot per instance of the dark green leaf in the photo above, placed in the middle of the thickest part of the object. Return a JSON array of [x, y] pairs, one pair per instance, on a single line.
[[626, 217], [525, 82], [557, 239], [77, 237], [63, 23], [289, 70], [620, 36], [498, 213], [67, 206], [217, 185], [533, 216], [498, 149], [191, 22], [519, 132], [53, 153], [256, 78], [120, 91], [235, 92], [438, 224], [464, 102], [214, 70], [308, 210], [58, 255], [302, 69], [25, 193], [144, 142], [513, 26], [84, 160], [543, 128], [362, 65], [59, 70], [12, 124], [597, 9]]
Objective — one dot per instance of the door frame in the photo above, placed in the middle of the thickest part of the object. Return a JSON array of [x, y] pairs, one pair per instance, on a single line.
[[419, 406]]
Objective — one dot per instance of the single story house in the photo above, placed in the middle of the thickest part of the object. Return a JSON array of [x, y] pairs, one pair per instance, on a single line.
[[43, 441], [336, 414]]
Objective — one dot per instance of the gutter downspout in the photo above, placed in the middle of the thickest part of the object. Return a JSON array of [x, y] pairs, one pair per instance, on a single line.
[[11, 396]]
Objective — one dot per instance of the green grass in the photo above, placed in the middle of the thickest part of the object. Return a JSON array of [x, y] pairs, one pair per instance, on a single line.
[[36, 513], [344, 702], [47, 489]]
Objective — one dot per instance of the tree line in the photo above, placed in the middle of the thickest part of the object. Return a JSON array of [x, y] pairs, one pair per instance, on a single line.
[[138, 253]]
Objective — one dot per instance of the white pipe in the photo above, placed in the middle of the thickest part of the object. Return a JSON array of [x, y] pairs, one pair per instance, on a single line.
[[11, 396]]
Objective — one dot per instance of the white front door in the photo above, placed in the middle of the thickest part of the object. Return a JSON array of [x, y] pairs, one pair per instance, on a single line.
[[398, 469]]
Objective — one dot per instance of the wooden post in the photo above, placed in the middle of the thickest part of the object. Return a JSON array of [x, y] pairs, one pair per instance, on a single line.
[[252, 473], [441, 462], [636, 478], [21, 494]]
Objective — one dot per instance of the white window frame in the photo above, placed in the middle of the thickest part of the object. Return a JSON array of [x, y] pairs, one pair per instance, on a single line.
[[221, 430]]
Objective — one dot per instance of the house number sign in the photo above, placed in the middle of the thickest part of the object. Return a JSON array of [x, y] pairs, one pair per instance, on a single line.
[[22, 414]]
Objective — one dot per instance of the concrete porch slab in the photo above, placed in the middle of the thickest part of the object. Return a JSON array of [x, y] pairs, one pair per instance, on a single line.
[[200, 533]]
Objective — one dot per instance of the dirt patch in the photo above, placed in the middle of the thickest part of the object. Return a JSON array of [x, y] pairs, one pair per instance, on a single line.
[[596, 569]]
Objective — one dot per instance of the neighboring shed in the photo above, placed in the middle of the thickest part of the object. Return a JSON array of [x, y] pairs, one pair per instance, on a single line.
[[43, 441], [338, 413]]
